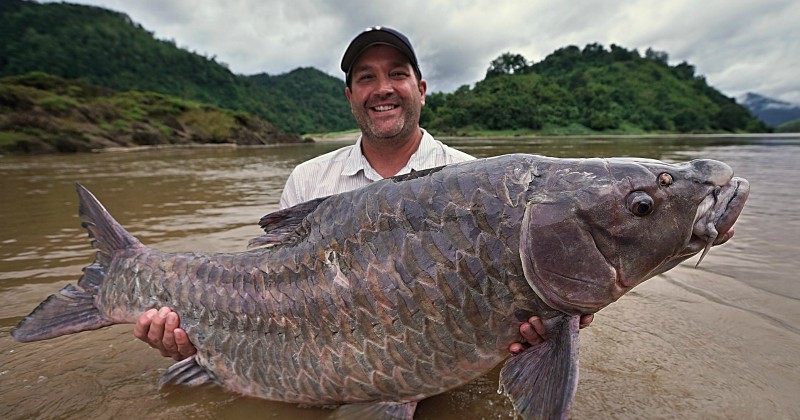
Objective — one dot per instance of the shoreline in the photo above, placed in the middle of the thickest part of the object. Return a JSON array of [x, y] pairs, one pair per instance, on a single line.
[[124, 149], [351, 136]]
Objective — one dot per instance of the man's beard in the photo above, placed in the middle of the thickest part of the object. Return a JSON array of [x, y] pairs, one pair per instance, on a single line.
[[401, 129]]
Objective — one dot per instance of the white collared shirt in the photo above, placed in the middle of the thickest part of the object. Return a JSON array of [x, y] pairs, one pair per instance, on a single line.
[[346, 169]]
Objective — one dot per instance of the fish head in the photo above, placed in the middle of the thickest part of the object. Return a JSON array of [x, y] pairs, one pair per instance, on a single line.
[[595, 228]]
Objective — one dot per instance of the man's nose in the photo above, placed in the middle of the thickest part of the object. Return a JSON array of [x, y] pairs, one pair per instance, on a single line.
[[385, 85]]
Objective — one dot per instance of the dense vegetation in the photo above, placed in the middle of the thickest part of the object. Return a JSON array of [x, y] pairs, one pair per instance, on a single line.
[[593, 89], [40, 113], [106, 48], [572, 91], [792, 126]]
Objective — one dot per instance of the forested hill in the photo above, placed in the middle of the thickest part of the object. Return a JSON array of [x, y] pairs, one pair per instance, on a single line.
[[42, 113], [106, 48], [572, 91], [591, 89]]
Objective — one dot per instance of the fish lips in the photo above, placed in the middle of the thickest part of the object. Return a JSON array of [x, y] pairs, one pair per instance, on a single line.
[[739, 190], [714, 226]]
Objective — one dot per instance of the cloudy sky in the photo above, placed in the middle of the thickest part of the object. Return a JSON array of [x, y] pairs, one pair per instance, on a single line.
[[738, 45]]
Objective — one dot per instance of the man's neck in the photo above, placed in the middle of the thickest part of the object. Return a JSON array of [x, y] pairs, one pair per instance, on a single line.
[[388, 158]]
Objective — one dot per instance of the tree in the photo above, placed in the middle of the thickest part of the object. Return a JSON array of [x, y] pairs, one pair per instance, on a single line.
[[657, 56], [507, 63], [684, 71]]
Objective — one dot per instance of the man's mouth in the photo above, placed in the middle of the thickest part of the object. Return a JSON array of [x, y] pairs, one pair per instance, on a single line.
[[383, 108]]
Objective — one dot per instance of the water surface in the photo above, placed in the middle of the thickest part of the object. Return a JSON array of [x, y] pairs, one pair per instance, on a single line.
[[720, 341]]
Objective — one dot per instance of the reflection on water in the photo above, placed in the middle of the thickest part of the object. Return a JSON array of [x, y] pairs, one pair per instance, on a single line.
[[717, 342]]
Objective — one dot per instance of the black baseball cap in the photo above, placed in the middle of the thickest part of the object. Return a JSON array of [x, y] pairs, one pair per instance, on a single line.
[[374, 36]]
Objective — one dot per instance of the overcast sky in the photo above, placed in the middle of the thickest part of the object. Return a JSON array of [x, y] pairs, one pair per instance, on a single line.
[[738, 45]]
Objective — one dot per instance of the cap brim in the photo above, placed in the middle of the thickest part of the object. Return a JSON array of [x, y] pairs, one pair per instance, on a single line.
[[371, 38]]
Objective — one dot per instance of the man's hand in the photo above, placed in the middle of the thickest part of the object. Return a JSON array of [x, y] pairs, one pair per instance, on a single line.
[[160, 329], [534, 332]]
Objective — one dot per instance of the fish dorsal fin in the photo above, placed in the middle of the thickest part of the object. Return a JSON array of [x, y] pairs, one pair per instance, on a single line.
[[108, 235], [375, 411], [541, 381], [281, 224], [414, 174]]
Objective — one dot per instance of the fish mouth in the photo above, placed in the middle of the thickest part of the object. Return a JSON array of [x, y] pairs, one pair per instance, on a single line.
[[716, 216]]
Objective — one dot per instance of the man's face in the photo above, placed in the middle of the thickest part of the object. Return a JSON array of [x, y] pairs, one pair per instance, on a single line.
[[385, 96]]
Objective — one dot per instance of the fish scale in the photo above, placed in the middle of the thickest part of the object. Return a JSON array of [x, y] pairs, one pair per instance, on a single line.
[[411, 286], [418, 295]]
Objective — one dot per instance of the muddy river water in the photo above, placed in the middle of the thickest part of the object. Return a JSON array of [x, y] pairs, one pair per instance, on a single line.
[[719, 341]]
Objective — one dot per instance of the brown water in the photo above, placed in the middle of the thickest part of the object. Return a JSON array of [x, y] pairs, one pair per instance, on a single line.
[[721, 341]]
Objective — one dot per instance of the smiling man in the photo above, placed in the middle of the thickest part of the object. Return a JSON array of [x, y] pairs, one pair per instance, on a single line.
[[386, 92]]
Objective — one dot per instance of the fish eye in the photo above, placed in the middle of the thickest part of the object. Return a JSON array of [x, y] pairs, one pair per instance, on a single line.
[[665, 179], [640, 204]]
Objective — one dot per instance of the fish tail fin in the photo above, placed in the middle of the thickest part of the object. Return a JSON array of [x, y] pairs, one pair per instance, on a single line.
[[541, 381], [73, 308]]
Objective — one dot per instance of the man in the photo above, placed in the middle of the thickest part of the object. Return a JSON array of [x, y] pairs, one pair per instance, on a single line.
[[386, 93]]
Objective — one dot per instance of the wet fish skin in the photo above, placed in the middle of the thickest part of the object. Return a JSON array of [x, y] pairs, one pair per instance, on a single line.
[[310, 279], [408, 287]]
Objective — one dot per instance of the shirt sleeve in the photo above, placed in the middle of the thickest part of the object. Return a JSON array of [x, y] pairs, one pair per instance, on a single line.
[[290, 196]]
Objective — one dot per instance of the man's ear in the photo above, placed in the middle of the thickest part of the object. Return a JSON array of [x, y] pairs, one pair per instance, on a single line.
[[423, 87], [347, 93]]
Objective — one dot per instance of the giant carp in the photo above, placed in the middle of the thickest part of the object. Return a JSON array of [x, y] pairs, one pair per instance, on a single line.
[[375, 299]]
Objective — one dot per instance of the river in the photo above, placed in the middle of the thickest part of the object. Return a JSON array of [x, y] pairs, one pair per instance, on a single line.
[[719, 341]]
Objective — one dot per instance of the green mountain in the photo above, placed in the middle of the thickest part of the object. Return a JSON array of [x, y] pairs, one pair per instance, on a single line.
[[572, 91], [591, 90], [313, 92], [792, 126], [41, 113], [106, 48]]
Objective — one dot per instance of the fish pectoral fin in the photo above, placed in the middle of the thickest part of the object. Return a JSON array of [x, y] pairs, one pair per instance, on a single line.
[[375, 411], [186, 372], [541, 381]]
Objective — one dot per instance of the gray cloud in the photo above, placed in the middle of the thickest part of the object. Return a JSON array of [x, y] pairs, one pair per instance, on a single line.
[[738, 45]]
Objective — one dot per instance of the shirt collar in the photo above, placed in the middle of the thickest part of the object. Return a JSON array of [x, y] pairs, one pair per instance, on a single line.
[[356, 161], [421, 158]]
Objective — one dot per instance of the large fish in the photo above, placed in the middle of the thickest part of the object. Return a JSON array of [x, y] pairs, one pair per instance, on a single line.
[[380, 297]]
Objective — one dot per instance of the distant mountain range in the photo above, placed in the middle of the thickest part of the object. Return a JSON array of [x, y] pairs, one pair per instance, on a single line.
[[772, 112]]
